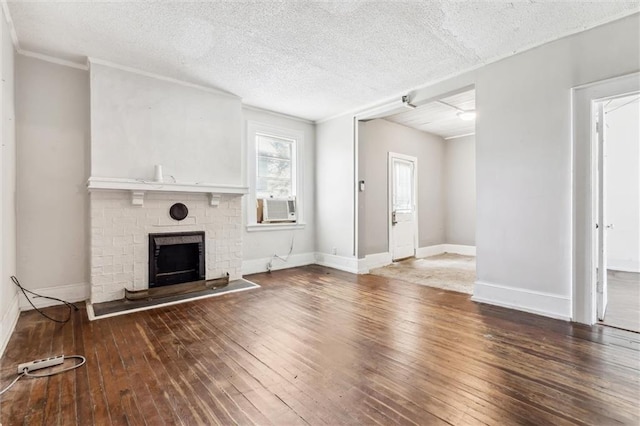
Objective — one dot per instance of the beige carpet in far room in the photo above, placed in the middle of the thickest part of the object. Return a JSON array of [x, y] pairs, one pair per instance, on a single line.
[[447, 271]]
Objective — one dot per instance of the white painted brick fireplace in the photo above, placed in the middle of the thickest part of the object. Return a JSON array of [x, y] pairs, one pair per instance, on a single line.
[[121, 221]]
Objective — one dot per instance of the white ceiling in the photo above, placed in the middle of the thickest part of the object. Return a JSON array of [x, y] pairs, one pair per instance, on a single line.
[[440, 119], [303, 58]]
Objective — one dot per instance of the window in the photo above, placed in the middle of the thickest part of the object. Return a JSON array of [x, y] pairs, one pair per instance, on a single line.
[[275, 167], [273, 172]]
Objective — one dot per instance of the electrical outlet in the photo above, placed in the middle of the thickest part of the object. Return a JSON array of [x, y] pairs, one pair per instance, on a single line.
[[40, 363], [334, 250]]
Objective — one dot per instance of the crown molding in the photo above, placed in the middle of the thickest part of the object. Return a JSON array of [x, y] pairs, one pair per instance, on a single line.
[[275, 113], [52, 59], [459, 136], [12, 29], [91, 60]]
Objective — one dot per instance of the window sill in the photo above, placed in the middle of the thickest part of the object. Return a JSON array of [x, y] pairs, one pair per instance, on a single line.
[[259, 227]]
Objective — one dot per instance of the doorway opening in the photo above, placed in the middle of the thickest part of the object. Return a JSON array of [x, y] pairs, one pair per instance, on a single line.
[[416, 191], [586, 220], [617, 235]]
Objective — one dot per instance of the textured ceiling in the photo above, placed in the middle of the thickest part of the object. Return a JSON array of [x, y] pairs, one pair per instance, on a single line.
[[441, 117], [307, 59]]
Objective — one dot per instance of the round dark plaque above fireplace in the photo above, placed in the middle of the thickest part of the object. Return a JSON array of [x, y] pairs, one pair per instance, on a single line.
[[178, 211]]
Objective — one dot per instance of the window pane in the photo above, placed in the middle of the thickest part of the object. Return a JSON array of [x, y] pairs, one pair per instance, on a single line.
[[403, 185], [276, 188], [274, 168], [273, 147]]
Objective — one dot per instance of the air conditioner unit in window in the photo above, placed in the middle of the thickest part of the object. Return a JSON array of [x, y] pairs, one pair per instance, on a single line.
[[279, 210]]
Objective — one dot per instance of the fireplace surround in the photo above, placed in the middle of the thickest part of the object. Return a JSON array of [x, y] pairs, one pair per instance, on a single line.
[[120, 229]]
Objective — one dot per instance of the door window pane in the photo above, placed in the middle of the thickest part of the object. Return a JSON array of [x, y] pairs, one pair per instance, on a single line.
[[402, 185]]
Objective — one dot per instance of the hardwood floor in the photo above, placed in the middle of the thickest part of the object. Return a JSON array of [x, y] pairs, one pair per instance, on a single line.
[[318, 346]]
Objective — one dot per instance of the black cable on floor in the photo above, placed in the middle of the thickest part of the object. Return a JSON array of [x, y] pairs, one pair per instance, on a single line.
[[25, 290]]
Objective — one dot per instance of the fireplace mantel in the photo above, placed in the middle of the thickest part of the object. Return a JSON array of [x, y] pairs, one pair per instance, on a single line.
[[139, 187]]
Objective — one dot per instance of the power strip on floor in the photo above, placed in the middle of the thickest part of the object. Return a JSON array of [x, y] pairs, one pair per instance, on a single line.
[[40, 364]]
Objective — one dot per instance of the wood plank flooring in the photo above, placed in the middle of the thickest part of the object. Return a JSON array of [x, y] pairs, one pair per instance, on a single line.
[[319, 346]]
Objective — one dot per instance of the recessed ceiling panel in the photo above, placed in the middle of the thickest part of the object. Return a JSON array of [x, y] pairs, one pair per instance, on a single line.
[[441, 117]]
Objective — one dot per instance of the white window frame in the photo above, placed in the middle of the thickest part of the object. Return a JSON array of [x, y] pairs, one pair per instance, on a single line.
[[255, 128]]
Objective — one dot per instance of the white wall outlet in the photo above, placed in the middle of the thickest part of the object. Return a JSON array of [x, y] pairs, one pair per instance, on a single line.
[[40, 363], [334, 250]]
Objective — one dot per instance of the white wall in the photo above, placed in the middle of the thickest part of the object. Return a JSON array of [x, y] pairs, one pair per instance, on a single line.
[[335, 184], [376, 139], [623, 187], [8, 294], [460, 190], [52, 113], [138, 121], [260, 246], [524, 157]]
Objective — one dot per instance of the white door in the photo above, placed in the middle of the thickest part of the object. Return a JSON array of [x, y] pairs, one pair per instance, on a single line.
[[601, 231], [402, 191]]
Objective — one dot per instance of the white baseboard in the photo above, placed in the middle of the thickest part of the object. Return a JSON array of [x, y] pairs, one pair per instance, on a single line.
[[430, 250], [372, 261], [445, 248], [253, 266], [8, 324], [460, 249], [623, 265], [347, 264], [70, 293], [535, 302]]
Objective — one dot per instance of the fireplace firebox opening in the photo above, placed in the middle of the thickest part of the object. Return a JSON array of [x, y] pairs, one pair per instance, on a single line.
[[176, 258]]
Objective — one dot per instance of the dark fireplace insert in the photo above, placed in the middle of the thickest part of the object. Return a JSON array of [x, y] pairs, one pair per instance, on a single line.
[[175, 258]]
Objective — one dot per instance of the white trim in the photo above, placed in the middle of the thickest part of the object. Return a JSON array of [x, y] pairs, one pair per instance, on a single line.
[[430, 250], [391, 156], [623, 265], [12, 28], [92, 316], [535, 302], [347, 264], [266, 227], [276, 113], [70, 293], [460, 136], [446, 248], [377, 260], [92, 60], [584, 185], [392, 99], [8, 324], [257, 127], [460, 249], [254, 266], [122, 184], [53, 59]]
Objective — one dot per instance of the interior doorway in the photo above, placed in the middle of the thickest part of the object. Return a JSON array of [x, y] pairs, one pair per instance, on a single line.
[[416, 190], [617, 234]]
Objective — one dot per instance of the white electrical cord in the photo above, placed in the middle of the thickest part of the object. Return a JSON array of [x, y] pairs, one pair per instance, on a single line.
[[12, 383], [284, 259], [82, 359]]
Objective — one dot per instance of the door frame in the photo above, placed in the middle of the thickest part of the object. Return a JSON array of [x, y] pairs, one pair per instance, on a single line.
[[584, 187], [600, 232], [391, 156]]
